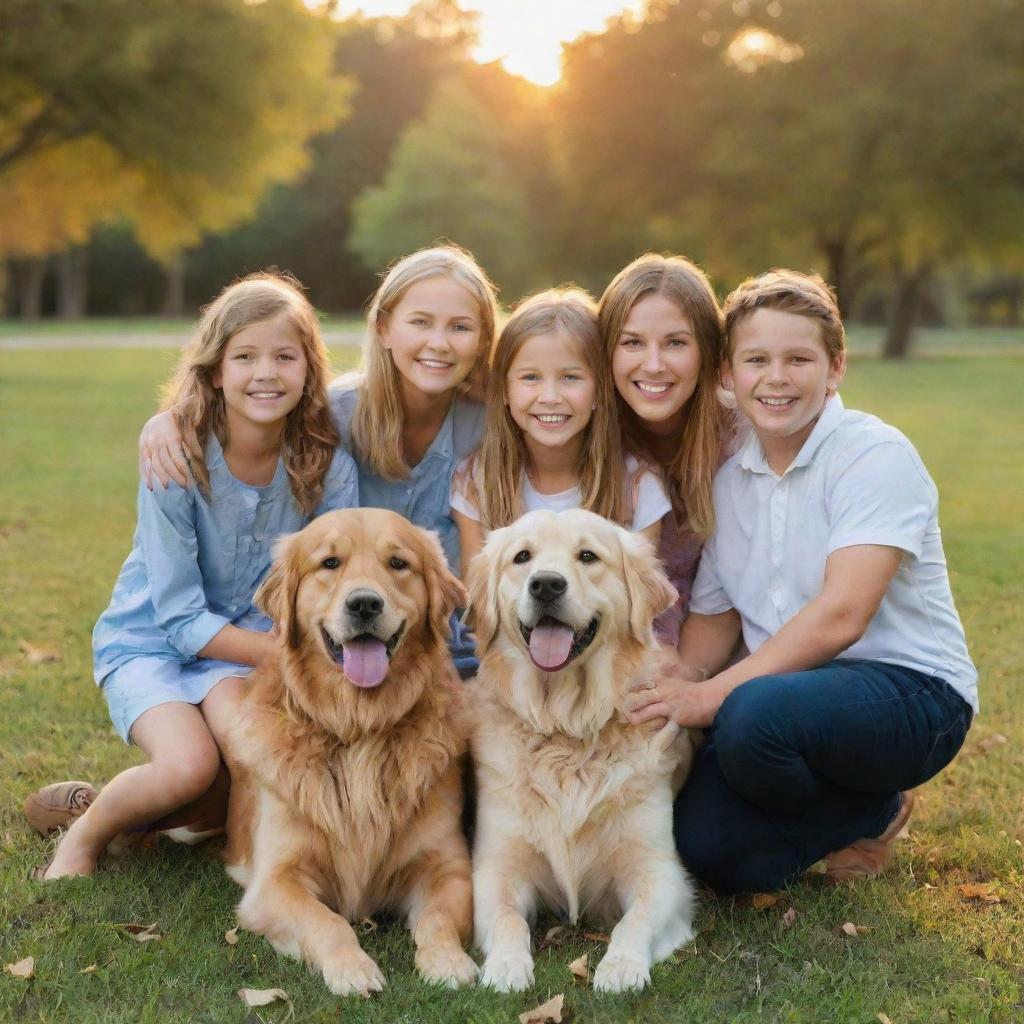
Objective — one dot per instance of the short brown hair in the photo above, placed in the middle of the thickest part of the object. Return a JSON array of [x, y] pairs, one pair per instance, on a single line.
[[790, 292]]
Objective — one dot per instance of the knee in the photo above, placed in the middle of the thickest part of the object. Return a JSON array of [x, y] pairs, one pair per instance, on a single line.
[[746, 738], [191, 773]]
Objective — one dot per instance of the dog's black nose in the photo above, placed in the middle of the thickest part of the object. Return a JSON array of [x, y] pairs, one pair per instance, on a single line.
[[364, 605], [548, 586]]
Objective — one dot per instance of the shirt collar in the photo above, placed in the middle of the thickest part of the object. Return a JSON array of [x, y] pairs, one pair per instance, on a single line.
[[752, 457]]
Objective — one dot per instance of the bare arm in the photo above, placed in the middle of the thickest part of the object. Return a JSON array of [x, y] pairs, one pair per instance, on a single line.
[[160, 454], [856, 579], [241, 646], [471, 538]]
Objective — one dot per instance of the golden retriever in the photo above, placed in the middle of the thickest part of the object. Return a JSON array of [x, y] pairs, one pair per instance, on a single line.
[[346, 793], [574, 804]]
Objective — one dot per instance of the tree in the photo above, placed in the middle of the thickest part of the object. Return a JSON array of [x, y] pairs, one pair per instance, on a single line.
[[473, 170], [203, 104]]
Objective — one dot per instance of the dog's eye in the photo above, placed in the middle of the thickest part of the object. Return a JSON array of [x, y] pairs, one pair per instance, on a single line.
[[522, 556], [330, 563], [588, 556], [397, 563]]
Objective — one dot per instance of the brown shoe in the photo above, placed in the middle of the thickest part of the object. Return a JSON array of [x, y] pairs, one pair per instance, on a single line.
[[868, 858], [54, 806]]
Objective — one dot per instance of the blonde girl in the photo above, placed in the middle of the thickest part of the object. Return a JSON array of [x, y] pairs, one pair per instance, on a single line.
[[661, 327], [552, 438], [249, 403], [405, 415]]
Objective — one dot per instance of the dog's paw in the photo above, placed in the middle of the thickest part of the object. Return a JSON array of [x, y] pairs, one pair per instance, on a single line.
[[452, 968], [352, 973], [509, 973], [618, 973]]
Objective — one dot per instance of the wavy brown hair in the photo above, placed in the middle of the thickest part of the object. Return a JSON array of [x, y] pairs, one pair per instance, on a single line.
[[690, 472], [497, 468], [379, 417], [310, 436]]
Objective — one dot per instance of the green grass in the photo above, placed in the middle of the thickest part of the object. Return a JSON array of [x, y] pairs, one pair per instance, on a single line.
[[68, 422]]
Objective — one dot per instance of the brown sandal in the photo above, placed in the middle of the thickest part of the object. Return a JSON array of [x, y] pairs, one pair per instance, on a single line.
[[56, 805], [868, 858]]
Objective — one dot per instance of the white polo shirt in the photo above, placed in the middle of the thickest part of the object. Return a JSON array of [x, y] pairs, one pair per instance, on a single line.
[[855, 481]]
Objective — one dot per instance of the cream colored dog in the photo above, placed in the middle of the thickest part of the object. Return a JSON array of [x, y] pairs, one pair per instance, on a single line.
[[574, 803]]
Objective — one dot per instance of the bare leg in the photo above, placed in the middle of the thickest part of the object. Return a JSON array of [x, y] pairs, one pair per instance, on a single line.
[[183, 761]]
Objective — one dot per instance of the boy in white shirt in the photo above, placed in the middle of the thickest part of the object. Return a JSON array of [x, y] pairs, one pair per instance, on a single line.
[[827, 555]]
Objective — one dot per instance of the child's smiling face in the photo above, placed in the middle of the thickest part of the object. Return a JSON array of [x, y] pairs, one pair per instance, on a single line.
[[550, 390], [433, 334], [781, 374], [262, 373]]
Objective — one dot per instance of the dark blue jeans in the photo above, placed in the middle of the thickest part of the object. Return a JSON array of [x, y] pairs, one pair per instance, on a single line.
[[799, 765]]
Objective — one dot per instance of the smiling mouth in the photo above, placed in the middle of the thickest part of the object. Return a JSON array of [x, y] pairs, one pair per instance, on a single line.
[[553, 644], [264, 395], [435, 364], [551, 419], [652, 390], [365, 659], [776, 403]]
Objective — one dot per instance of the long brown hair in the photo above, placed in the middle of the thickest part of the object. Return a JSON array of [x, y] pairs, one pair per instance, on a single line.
[[690, 472], [310, 436], [380, 416], [496, 470]]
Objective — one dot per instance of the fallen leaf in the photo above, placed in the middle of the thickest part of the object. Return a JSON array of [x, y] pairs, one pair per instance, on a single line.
[[261, 996], [981, 893], [142, 932], [27, 968], [91, 969], [789, 917], [598, 937], [580, 969], [36, 655], [854, 930], [764, 900], [997, 739], [884, 1018], [367, 924], [547, 1013], [231, 937], [555, 936]]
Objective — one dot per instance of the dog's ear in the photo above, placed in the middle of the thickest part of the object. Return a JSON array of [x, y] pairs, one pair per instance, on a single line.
[[482, 582], [648, 588], [445, 591], [276, 595]]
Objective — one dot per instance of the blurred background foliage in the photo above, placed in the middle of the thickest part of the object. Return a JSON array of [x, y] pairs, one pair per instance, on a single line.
[[151, 150]]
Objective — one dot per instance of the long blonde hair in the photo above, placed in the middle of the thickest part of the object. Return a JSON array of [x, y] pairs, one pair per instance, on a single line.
[[690, 472], [496, 470], [310, 436], [380, 416]]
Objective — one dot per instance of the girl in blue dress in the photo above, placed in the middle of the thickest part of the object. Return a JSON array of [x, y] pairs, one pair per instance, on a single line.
[[170, 652]]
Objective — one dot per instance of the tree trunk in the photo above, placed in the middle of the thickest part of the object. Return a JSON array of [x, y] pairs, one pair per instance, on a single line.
[[840, 271], [904, 310], [71, 283], [174, 294], [29, 283]]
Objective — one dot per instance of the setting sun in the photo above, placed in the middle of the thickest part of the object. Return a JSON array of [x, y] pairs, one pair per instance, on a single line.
[[526, 36]]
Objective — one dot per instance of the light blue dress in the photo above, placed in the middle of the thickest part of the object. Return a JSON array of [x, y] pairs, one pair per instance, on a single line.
[[424, 497], [194, 568]]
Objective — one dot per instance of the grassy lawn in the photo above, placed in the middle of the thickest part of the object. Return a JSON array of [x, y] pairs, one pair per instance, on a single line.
[[930, 953]]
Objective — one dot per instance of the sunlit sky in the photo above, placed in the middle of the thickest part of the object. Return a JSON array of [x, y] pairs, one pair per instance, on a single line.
[[526, 35]]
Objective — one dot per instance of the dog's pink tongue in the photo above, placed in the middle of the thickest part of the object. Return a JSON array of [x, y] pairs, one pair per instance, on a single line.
[[365, 661], [550, 643]]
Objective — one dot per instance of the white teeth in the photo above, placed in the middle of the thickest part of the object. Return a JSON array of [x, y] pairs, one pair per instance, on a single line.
[[552, 418], [775, 403], [652, 389], [435, 364], [265, 394]]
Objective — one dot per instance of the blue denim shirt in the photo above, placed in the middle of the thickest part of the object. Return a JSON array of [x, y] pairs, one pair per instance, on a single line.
[[195, 564], [424, 497]]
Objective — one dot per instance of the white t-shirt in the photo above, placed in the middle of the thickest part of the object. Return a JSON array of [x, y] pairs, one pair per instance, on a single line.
[[855, 481], [648, 499]]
